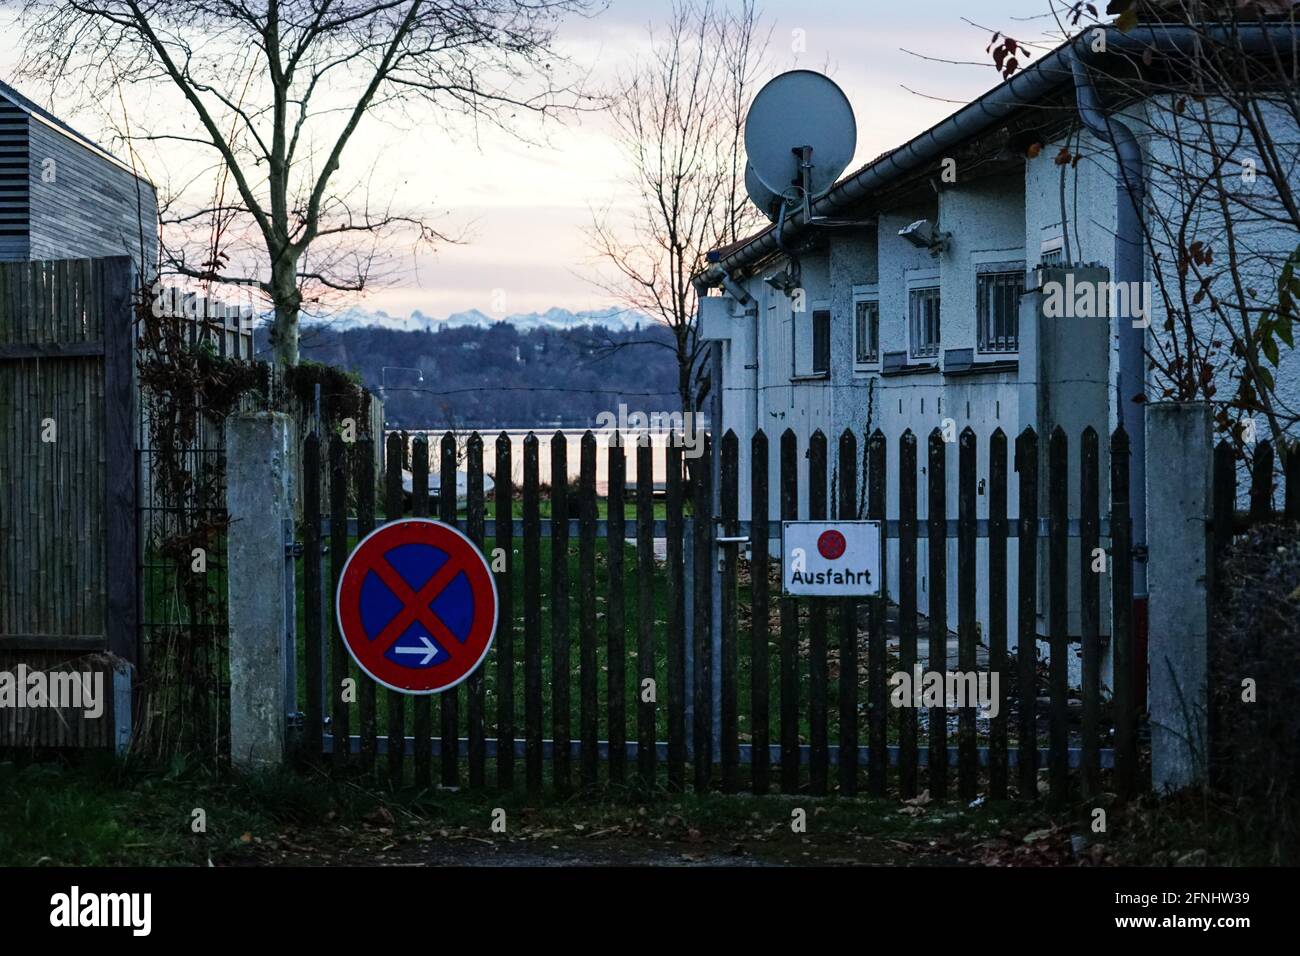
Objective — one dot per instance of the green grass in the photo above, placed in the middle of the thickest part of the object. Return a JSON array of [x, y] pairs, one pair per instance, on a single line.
[[103, 812]]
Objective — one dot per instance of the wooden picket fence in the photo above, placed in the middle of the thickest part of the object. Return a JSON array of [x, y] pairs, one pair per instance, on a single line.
[[876, 746]]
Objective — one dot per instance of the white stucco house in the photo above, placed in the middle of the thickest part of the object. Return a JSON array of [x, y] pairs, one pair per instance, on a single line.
[[878, 331]]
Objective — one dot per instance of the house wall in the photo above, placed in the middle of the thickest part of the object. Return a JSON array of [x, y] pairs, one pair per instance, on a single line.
[[1067, 369]]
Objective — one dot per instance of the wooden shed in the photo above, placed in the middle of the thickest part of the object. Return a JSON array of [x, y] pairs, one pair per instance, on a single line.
[[62, 196]]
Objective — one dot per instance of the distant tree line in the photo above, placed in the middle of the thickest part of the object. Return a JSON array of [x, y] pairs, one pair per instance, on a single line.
[[501, 376]]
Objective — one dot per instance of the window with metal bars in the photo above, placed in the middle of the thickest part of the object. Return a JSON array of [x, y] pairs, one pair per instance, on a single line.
[[866, 332], [997, 297], [924, 309]]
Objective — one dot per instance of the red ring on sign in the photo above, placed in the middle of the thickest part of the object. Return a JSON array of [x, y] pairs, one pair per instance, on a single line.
[[462, 555], [831, 544]]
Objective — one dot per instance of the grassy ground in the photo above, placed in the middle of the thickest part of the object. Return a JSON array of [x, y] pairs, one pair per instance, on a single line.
[[105, 812], [108, 813]]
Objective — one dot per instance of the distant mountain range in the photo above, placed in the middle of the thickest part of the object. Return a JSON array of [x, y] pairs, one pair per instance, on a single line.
[[418, 321]]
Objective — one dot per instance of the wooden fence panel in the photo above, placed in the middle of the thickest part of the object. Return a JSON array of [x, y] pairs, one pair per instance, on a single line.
[[789, 627], [937, 529], [474, 691], [393, 510], [423, 707], [588, 721], [759, 568], [1027, 617], [729, 725], [967, 752], [449, 700], [503, 512], [818, 674], [615, 610]]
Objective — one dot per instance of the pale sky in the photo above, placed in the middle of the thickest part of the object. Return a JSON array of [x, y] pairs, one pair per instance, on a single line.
[[525, 209]]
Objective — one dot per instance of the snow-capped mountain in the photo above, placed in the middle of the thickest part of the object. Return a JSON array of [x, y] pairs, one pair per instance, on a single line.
[[418, 321]]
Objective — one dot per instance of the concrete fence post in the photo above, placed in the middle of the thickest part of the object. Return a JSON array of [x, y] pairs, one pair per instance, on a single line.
[[259, 497], [1179, 481]]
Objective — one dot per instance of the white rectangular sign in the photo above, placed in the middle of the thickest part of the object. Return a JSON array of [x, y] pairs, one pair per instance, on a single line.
[[831, 558]]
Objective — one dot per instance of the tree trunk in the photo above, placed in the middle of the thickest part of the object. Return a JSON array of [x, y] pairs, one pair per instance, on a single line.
[[287, 301]]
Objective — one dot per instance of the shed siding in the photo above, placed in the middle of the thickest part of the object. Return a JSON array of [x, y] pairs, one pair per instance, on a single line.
[[92, 208]]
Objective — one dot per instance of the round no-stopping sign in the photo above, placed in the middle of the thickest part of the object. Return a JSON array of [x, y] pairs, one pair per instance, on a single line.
[[417, 606], [831, 544]]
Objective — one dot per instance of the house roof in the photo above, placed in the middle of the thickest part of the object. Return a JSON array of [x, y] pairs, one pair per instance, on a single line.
[[39, 113], [1034, 82]]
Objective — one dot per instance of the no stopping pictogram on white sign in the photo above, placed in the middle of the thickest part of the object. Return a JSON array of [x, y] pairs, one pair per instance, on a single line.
[[831, 558]]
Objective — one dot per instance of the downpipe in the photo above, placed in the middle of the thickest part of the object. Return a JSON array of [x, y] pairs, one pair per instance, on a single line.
[[1130, 386]]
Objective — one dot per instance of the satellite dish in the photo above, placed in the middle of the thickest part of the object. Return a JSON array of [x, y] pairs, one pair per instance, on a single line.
[[799, 109], [761, 196]]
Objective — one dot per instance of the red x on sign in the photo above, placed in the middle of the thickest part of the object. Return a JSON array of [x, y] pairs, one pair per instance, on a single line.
[[417, 606]]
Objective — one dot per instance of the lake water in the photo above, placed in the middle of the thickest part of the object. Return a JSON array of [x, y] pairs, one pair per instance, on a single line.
[[573, 454]]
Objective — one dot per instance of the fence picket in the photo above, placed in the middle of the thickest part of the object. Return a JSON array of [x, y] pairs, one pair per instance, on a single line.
[[729, 729], [340, 660], [449, 700], [366, 524], [1058, 510], [588, 722], [645, 656], [937, 531], [907, 532], [759, 567], [702, 584], [314, 720], [877, 693], [967, 753], [1026, 613], [503, 512], [615, 614], [676, 598], [789, 626], [423, 707], [474, 690], [818, 671], [1124, 699], [998, 611], [848, 627], [396, 700], [1090, 611], [561, 663], [1261, 482], [532, 558], [1291, 460]]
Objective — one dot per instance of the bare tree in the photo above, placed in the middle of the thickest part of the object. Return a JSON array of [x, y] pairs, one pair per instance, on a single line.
[[274, 93], [679, 117]]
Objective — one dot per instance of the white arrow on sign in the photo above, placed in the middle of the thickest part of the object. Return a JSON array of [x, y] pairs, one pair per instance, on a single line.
[[430, 649]]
